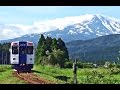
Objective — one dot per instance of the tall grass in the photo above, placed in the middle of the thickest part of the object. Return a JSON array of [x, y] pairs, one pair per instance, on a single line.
[[58, 75], [84, 76], [6, 76], [4, 67]]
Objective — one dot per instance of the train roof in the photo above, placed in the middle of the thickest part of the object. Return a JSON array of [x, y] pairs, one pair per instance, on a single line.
[[21, 41]]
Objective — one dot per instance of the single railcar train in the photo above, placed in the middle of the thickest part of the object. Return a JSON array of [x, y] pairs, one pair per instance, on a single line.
[[22, 55]]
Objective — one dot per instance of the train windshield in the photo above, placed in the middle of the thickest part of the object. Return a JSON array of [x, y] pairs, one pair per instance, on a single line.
[[14, 49], [29, 49], [22, 49]]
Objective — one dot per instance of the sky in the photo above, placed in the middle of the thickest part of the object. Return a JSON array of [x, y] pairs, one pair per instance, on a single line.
[[27, 15], [16, 21]]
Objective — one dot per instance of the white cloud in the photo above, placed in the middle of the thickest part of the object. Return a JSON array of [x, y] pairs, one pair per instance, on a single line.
[[8, 33], [16, 30], [61, 22], [48, 25]]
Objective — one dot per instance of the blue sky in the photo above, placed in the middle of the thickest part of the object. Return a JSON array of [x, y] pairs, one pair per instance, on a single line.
[[28, 14]]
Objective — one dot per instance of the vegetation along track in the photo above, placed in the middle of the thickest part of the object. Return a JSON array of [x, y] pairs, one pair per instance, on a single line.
[[31, 78]]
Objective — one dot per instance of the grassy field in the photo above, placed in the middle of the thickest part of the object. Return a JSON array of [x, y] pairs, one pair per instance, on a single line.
[[84, 76], [6, 76], [65, 76]]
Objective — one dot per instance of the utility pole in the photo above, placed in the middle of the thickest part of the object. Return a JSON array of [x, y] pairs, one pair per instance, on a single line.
[[75, 71]]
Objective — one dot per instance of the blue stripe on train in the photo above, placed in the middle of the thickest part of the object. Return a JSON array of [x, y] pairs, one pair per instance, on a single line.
[[22, 52]]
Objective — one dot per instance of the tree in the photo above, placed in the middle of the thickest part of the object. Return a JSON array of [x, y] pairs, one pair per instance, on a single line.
[[41, 41], [48, 43], [58, 53], [61, 46], [40, 51], [60, 59], [51, 59], [4, 52], [54, 44]]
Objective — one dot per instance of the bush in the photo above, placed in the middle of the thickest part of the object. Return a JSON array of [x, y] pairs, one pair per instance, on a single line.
[[86, 65], [118, 65], [68, 64], [109, 65], [79, 65], [99, 78], [115, 70], [57, 65]]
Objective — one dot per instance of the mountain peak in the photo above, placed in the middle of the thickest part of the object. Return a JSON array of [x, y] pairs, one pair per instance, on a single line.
[[82, 27]]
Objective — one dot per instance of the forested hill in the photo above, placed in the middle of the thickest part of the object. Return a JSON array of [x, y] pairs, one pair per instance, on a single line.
[[104, 48], [101, 48]]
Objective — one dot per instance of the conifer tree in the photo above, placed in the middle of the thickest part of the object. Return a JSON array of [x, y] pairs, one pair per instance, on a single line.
[[54, 44], [57, 51], [62, 47], [49, 43], [40, 49]]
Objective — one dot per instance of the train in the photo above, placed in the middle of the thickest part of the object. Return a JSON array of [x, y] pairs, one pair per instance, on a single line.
[[22, 54]]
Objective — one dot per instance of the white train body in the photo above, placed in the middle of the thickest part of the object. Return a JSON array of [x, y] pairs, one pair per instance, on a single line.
[[22, 55], [14, 58], [30, 57]]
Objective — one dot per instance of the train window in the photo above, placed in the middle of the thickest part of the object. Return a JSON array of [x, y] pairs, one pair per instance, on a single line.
[[22, 50], [14, 49], [29, 49]]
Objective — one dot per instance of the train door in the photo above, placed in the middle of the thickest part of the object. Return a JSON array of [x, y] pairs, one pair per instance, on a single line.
[[22, 52]]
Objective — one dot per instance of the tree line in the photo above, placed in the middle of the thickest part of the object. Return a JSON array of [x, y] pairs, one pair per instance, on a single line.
[[4, 53]]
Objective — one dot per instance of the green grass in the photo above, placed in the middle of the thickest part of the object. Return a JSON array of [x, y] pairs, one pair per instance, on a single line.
[[6, 76], [57, 75], [48, 73], [84, 76]]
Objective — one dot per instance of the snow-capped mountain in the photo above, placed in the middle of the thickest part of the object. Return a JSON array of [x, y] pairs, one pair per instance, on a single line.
[[76, 28], [98, 25]]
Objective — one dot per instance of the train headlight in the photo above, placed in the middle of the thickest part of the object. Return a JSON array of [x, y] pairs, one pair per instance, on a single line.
[[22, 64]]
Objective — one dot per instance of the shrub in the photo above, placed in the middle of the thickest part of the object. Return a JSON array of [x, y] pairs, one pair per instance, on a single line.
[[115, 70], [99, 78], [68, 64], [118, 65], [79, 65], [87, 65]]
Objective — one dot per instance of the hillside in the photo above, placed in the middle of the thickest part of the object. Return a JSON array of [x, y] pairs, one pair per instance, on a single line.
[[101, 48]]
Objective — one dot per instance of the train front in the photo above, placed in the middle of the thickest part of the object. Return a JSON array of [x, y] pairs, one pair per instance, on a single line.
[[22, 55]]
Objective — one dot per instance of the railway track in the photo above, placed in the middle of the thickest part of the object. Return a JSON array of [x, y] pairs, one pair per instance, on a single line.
[[31, 78]]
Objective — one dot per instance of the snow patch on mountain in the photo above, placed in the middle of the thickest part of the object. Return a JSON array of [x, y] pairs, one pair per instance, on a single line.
[[68, 28]]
